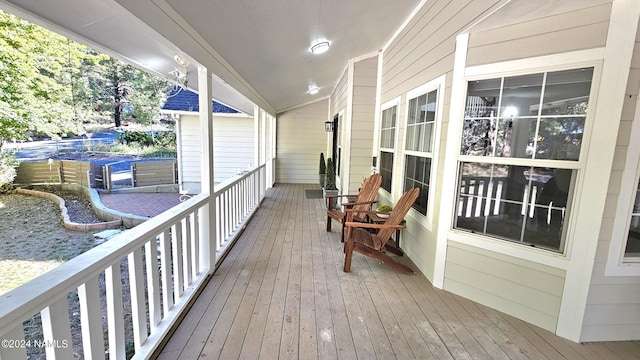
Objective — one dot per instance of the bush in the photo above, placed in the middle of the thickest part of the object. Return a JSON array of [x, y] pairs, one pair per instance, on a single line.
[[7, 172]]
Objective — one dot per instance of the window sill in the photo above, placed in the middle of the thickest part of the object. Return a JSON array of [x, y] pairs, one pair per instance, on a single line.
[[504, 247]]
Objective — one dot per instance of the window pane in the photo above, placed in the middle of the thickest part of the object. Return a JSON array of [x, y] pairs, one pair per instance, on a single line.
[[478, 136], [418, 174], [633, 241], [515, 137], [521, 95], [516, 203], [413, 111], [386, 169], [482, 98], [567, 92], [560, 138], [430, 107]]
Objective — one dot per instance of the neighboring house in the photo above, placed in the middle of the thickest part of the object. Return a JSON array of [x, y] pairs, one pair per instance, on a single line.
[[233, 139]]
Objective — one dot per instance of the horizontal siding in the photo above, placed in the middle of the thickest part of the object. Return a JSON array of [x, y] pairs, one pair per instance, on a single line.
[[424, 49], [233, 147], [338, 98], [521, 288], [301, 139], [362, 121], [613, 304]]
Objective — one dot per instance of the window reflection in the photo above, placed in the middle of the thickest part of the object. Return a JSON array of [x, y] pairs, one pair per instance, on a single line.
[[516, 203], [537, 116]]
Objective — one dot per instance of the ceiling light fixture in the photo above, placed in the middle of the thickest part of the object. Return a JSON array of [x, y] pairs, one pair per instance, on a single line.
[[313, 89], [320, 47], [181, 60]]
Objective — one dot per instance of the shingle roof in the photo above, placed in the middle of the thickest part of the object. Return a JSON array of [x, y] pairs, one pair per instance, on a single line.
[[186, 100]]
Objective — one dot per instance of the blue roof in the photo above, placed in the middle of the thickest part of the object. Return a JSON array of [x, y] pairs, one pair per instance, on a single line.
[[186, 100]]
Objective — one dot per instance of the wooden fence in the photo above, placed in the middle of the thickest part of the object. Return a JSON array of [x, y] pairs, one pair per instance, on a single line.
[[88, 174], [154, 173], [53, 172]]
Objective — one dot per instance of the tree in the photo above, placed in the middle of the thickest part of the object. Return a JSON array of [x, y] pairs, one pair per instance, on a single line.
[[36, 80]]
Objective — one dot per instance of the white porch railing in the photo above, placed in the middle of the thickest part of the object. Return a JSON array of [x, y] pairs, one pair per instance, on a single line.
[[131, 289]]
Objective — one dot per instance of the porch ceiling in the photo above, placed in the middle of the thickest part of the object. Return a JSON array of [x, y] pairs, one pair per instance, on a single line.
[[261, 48]]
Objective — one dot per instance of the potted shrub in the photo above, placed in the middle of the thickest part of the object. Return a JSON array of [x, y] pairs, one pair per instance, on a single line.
[[384, 211], [323, 170], [330, 184]]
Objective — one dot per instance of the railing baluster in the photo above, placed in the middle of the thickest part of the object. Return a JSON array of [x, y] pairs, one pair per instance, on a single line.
[[115, 312], [165, 267], [91, 320], [138, 306], [176, 247], [184, 257], [186, 254], [195, 244], [153, 283]]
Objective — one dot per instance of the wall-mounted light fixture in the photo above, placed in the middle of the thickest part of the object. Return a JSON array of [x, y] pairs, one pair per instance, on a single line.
[[328, 126], [320, 47]]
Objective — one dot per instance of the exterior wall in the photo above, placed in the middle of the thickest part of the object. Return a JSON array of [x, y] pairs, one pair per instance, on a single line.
[[301, 139], [422, 52], [613, 305], [361, 122], [496, 279], [233, 148], [576, 30]]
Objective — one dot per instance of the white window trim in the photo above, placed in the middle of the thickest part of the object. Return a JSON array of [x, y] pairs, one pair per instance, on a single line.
[[617, 265], [437, 84], [387, 105], [584, 58]]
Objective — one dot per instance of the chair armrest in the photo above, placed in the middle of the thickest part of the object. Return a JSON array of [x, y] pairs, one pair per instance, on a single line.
[[373, 226], [352, 204], [337, 196]]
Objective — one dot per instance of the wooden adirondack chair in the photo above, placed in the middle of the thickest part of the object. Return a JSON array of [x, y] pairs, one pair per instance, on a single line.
[[370, 239], [357, 203]]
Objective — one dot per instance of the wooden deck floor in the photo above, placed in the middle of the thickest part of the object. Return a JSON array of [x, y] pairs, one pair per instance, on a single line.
[[281, 294]]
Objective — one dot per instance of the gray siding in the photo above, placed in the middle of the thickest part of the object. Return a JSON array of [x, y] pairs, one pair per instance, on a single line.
[[613, 305], [569, 31], [301, 139], [362, 121], [496, 280]]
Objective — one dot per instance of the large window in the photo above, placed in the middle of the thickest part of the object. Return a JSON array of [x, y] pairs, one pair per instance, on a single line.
[[519, 155], [387, 143], [423, 112]]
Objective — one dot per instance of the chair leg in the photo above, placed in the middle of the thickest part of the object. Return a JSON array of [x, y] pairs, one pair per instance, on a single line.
[[348, 254], [328, 223]]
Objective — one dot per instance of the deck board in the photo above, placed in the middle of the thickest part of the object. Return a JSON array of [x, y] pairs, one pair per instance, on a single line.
[[281, 293]]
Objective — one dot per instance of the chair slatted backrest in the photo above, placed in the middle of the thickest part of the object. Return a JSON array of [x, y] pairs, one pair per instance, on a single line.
[[400, 210], [367, 193]]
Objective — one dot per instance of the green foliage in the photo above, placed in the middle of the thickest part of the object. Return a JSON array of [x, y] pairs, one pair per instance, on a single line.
[[385, 208], [7, 171], [330, 178], [323, 165], [51, 85]]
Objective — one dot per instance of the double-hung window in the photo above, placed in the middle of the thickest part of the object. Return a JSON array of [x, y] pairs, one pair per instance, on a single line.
[[387, 142], [424, 109], [519, 157]]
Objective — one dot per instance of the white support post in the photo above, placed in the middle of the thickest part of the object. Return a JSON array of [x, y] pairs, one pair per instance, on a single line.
[[207, 228]]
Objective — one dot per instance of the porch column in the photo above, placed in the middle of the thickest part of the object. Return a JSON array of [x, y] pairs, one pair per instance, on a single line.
[[208, 217]]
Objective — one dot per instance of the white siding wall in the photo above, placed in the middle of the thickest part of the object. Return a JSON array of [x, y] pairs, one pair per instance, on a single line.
[[613, 306], [233, 148], [362, 122], [301, 139], [422, 52]]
